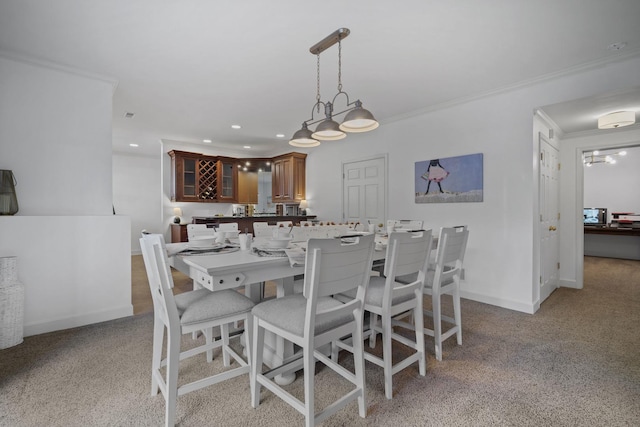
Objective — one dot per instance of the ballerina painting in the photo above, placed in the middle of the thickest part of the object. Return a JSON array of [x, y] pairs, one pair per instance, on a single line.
[[454, 179]]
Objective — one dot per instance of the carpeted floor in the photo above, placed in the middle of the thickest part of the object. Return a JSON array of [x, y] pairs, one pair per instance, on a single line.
[[576, 362]]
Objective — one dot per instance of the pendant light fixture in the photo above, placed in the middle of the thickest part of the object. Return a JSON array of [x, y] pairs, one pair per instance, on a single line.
[[357, 118]]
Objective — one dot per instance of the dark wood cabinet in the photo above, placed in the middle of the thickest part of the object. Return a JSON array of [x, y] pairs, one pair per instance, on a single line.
[[227, 180], [179, 233], [200, 178], [289, 178], [247, 187]]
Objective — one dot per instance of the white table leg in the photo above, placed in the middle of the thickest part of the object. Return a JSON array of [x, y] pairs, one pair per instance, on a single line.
[[284, 348]]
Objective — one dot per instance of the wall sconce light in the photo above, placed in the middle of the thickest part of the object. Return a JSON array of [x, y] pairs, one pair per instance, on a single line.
[[617, 120], [357, 119], [178, 213]]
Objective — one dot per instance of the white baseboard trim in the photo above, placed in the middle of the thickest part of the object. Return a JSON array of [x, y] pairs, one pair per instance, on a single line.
[[75, 321], [525, 307], [568, 283]]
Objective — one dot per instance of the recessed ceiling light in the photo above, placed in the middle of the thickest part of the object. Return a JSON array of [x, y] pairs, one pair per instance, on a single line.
[[236, 126], [207, 141], [280, 135], [133, 145], [247, 146]]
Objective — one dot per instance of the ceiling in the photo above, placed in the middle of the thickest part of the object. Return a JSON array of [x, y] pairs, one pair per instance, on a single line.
[[191, 69]]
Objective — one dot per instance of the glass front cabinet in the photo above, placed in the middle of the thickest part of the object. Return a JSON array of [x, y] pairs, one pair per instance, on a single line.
[[200, 178]]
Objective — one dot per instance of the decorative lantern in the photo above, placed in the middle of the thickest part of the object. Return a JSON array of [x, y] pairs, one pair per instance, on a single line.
[[8, 198]]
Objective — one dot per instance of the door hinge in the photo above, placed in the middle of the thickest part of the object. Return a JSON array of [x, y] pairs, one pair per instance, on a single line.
[[550, 133], [541, 280], [540, 217], [541, 156], [558, 266], [558, 166], [558, 215]]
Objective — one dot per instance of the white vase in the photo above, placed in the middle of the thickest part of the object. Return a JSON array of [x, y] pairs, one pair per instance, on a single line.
[[11, 303]]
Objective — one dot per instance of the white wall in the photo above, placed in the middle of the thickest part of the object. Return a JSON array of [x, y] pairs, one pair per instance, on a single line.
[[73, 254], [137, 185]]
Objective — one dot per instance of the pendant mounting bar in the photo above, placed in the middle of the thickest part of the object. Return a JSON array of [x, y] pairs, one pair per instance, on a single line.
[[329, 41]]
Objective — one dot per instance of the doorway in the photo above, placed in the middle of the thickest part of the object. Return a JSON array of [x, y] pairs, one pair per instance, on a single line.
[[364, 190]]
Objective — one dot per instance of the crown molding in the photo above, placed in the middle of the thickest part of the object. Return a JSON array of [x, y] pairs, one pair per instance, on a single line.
[[43, 63], [520, 85]]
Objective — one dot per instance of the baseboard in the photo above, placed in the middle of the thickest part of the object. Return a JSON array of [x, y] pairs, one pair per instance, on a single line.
[[75, 321], [568, 283], [524, 307]]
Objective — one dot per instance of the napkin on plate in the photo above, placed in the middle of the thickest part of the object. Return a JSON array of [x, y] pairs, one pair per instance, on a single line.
[[296, 256]]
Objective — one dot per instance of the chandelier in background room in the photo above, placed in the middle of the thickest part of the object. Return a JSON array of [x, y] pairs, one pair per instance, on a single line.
[[357, 119], [593, 157]]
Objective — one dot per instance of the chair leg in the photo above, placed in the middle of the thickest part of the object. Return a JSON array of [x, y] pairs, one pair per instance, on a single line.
[[387, 355], [358, 362], [208, 337], [309, 375], [437, 325], [373, 319], [224, 336], [457, 314], [173, 361], [419, 327], [256, 361], [158, 337]]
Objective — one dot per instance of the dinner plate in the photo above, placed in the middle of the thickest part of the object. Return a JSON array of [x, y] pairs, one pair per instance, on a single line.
[[205, 246], [269, 249]]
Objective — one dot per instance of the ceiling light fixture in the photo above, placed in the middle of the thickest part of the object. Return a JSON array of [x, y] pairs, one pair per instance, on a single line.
[[236, 127], [617, 120], [208, 141], [357, 119], [589, 159]]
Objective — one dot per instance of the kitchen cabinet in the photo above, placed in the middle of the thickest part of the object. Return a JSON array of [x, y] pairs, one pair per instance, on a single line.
[[289, 178], [179, 233], [228, 180], [247, 187], [200, 178]]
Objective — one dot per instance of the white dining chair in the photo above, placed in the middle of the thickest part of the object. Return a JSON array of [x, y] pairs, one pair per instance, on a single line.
[[194, 231], [404, 224], [314, 319], [262, 229], [228, 226], [443, 278], [186, 313], [407, 254]]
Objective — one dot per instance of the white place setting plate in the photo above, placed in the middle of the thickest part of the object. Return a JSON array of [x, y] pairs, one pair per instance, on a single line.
[[205, 246]]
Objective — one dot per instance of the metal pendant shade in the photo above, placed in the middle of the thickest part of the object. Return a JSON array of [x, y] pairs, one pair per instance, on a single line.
[[357, 119], [303, 138], [328, 130]]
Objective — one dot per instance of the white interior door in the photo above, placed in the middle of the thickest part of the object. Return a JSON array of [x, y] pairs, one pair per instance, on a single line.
[[549, 216], [364, 191]]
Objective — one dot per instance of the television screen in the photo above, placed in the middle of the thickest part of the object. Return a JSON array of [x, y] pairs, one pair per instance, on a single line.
[[595, 216]]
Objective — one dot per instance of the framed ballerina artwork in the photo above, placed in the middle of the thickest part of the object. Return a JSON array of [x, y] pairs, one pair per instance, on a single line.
[[449, 180]]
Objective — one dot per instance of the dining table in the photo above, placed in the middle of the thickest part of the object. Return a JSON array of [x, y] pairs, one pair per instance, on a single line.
[[231, 268]]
